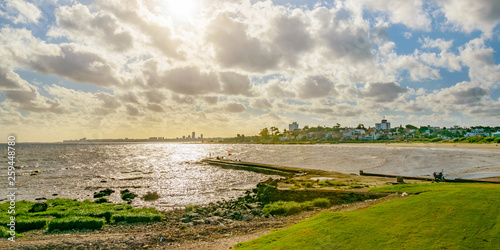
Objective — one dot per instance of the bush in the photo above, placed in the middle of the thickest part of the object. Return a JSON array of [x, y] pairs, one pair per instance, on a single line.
[[489, 139], [102, 193], [127, 195], [497, 140], [285, 208], [26, 224], [321, 202], [329, 183], [151, 196], [4, 232], [101, 200], [69, 223], [308, 184]]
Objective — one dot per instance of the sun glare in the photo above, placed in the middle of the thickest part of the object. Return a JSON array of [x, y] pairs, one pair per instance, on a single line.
[[181, 9]]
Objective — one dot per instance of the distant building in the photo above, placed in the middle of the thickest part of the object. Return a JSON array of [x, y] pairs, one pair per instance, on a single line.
[[496, 134], [477, 132], [193, 136], [384, 125], [201, 136], [293, 126]]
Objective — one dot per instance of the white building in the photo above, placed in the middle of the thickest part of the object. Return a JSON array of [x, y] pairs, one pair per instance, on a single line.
[[384, 125], [293, 126]]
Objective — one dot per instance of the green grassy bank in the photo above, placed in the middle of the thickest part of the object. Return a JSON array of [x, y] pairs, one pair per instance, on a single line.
[[67, 214], [456, 216]]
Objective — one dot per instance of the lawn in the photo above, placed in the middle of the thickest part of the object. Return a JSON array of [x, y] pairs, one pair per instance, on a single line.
[[444, 215], [67, 214]]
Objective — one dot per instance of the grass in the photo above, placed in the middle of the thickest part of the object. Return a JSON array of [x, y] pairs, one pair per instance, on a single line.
[[69, 214], [292, 207], [457, 216], [74, 222]]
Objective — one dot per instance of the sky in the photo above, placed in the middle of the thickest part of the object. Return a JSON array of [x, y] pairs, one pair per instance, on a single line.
[[143, 68]]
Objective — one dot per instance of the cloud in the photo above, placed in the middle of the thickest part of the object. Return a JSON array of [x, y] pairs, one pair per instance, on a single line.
[[77, 64], [463, 93], [109, 101], [190, 81], [276, 88], [20, 11], [9, 80], [382, 92], [31, 100], [234, 48], [291, 36], [235, 107], [315, 86], [480, 60], [410, 13], [261, 103], [344, 36], [468, 15], [235, 84], [135, 13], [77, 23]]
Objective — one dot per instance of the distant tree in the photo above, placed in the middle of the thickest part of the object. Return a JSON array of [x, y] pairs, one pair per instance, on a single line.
[[361, 126], [275, 130], [264, 133], [409, 126], [306, 127]]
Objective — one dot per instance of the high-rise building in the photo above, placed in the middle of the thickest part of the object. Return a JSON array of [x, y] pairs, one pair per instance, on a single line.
[[193, 136], [384, 125], [201, 136], [293, 126]]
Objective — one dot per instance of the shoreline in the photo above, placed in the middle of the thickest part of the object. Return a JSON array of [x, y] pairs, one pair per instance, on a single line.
[[430, 145], [172, 232]]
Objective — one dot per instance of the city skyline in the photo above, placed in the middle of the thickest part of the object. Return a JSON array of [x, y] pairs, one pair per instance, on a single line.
[[138, 69]]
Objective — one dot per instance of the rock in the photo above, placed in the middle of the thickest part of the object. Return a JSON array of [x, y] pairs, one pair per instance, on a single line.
[[247, 217], [198, 222], [192, 215], [252, 205], [185, 220], [256, 211], [38, 207], [214, 220]]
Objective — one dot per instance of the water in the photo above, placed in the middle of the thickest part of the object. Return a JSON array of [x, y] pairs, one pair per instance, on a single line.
[[174, 172]]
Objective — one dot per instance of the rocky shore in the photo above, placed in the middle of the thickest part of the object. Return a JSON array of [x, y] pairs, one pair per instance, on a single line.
[[218, 225]]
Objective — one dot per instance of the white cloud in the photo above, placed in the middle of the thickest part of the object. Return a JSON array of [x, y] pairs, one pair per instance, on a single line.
[[20, 11], [410, 12], [468, 15], [78, 24], [382, 92]]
